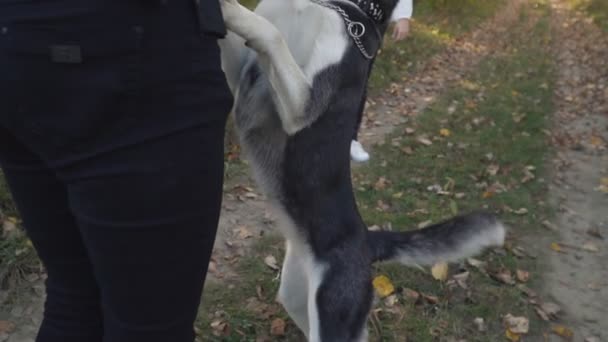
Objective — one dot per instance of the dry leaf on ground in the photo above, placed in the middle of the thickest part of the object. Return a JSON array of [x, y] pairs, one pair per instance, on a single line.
[[504, 276], [277, 327], [517, 325], [480, 324], [383, 286], [563, 331], [522, 276], [6, 327], [440, 271], [271, 262], [557, 247], [590, 247]]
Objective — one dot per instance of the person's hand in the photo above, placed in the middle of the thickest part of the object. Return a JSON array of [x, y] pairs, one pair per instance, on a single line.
[[401, 29]]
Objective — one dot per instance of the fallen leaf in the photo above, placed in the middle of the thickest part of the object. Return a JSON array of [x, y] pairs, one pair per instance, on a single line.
[[592, 339], [424, 141], [424, 224], [590, 247], [374, 228], [383, 286], [549, 225], [595, 232], [409, 130], [277, 327], [557, 247], [521, 211], [212, 267], [517, 325], [391, 300], [407, 150], [596, 141], [492, 169], [480, 324], [488, 194], [6, 327], [243, 232], [440, 271], [461, 279], [478, 264], [380, 183], [522, 276], [271, 262], [430, 298], [444, 132], [551, 309], [259, 291], [460, 195], [220, 328], [511, 336], [543, 315], [562, 331], [504, 276], [527, 291], [409, 293]]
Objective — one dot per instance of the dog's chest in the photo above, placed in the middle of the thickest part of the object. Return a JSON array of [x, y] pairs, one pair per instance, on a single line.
[[315, 35]]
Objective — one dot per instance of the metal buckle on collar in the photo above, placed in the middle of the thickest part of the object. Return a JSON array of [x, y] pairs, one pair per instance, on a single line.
[[356, 29]]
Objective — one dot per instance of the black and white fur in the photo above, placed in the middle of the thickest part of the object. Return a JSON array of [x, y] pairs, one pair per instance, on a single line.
[[297, 92]]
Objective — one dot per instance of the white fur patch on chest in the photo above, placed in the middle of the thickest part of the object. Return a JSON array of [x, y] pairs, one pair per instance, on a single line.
[[314, 34]]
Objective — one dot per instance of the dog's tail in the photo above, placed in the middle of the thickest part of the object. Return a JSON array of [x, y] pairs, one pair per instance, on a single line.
[[451, 240]]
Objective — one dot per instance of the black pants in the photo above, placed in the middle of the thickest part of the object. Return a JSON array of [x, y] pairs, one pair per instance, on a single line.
[[361, 110], [111, 140]]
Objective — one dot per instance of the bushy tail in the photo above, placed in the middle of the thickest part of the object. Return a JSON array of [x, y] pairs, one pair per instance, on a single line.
[[452, 240]]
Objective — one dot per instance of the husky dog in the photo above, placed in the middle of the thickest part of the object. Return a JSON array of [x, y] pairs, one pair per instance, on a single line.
[[298, 70]]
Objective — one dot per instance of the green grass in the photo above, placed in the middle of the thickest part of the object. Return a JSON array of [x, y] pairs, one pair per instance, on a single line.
[[597, 9], [247, 306], [433, 27], [498, 116], [17, 257]]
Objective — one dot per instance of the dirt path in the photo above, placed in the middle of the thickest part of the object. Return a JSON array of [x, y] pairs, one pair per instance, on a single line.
[[579, 277], [442, 70]]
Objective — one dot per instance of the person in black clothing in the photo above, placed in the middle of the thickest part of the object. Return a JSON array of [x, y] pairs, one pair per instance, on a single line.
[[111, 140], [401, 19]]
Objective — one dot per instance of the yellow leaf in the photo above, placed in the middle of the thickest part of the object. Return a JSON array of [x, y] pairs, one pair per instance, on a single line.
[[444, 132], [563, 331], [596, 141], [440, 271], [487, 194], [511, 336], [556, 247], [383, 286]]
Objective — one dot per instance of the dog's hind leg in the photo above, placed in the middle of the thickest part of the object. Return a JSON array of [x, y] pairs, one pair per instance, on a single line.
[[340, 298], [293, 292]]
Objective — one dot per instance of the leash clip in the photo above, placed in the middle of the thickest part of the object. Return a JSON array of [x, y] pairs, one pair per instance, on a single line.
[[356, 29]]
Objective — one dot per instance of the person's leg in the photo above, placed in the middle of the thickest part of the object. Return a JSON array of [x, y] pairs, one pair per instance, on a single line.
[[72, 309], [148, 214], [357, 152]]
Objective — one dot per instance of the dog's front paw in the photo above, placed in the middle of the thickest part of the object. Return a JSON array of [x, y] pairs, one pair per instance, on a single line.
[[231, 11], [231, 2]]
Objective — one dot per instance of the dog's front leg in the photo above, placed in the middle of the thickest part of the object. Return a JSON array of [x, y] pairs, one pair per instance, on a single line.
[[289, 86]]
